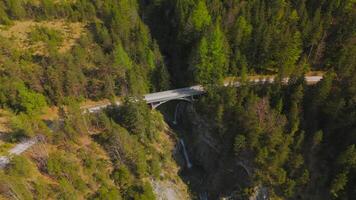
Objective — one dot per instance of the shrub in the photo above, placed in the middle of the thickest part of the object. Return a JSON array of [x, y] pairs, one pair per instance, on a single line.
[[27, 125], [239, 144], [49, 36], [107, 193], [123, 177], [20, 167], [63, 165], [155, 167], [29, 101]]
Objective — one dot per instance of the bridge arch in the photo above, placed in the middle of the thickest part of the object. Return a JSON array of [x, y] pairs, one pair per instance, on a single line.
[[154, 105]]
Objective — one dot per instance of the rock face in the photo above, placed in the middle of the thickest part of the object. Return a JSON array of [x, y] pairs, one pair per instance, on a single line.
[[259, 193], [216, 171], [167, 190], [4, 161]]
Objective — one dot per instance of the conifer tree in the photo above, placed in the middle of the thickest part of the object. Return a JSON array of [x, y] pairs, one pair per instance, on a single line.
[[210, 61], [200, 17]]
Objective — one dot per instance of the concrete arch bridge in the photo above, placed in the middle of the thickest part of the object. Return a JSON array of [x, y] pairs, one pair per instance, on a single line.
[[187, 94]]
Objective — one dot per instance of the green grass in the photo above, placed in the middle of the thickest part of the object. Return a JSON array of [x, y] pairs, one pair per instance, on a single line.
[[5, 147]]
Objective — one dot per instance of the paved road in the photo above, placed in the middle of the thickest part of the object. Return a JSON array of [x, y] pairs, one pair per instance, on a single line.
[[197, 90], [17, 150], [308, 79], [150, 99], [183, 93]]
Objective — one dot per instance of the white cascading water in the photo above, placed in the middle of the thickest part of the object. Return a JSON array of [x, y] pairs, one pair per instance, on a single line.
[[189, 164], [175, 122]]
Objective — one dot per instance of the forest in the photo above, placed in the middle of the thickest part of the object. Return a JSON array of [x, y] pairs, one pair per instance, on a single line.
[[298, 140]]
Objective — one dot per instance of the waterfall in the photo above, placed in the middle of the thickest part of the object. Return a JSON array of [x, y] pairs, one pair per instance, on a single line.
[[189, 164], [203, 196], [175, 122]]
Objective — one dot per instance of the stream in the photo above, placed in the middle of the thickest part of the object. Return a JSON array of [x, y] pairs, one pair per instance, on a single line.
[[192, 174], [209, 173], [186, 156]]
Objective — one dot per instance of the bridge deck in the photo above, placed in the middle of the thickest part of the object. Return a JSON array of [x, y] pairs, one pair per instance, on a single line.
[[174, 94], [182, 93], [197, 90]]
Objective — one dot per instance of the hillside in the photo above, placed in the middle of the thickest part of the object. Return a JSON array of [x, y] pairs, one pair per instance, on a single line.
[[31, 36], [280, 140]]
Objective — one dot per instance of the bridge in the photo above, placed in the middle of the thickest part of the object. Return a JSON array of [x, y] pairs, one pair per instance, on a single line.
[[156, 99], [184, 94], [187, 94]]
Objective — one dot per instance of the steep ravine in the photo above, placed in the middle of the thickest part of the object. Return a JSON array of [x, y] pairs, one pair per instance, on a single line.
[[215, 172]]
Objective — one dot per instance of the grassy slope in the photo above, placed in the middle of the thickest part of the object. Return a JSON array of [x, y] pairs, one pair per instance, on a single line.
[[19, 33]]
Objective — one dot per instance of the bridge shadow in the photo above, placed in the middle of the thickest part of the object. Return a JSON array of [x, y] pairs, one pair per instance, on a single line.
[[172, 112]]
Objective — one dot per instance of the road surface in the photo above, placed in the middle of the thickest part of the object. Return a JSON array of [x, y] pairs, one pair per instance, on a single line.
[[152, 98], [17, 150], [185, 93], [174, 94]]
